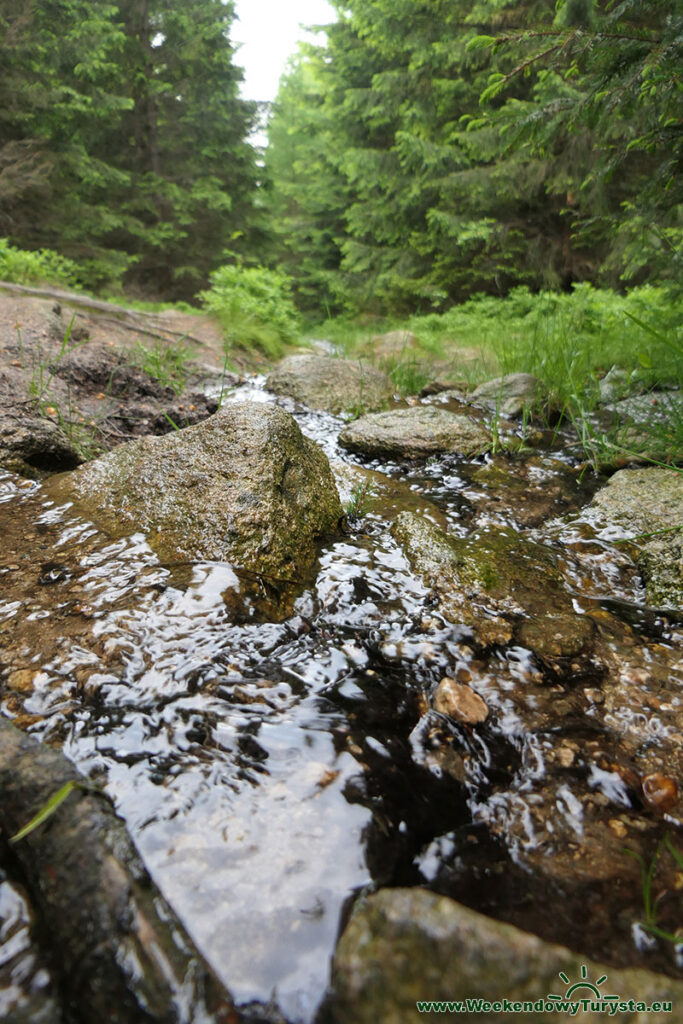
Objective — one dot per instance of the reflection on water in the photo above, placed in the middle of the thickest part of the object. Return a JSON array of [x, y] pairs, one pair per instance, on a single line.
[[268, 770]]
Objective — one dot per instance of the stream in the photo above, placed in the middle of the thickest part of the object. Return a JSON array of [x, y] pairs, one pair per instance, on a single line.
[[269, 771]]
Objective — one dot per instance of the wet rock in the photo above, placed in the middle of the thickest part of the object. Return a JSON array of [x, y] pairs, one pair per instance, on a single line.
[[498, 584], [120, 946], [29, 440], [404, 945], [645, 501], [380, 494], [243, 487], [334, 385], [459, 701], [416, 432], [615, 384], [511, 394], [660, 792]]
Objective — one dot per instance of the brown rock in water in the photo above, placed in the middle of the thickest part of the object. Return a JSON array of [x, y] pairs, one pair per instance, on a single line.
[[334, 385], [660, 792], [244, 487], [459, 701]]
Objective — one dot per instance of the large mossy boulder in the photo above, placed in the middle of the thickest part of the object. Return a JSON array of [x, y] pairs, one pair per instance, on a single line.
[[648, 504], [244, 486], [332, 385], [402, 946], [415, 432], [499, 585]]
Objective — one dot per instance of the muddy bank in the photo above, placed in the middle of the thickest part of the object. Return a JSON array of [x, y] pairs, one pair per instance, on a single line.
[[76, 381]]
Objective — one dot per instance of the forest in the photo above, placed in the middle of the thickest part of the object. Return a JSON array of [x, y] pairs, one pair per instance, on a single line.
[[426, 152]]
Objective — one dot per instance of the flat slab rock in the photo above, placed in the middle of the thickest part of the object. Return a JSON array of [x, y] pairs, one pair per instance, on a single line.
[[244, 486], [332, 385], [405, 945], [415, 432], [645, 501]]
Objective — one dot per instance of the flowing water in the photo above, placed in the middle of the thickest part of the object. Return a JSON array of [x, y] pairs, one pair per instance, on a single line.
[[270, 770]]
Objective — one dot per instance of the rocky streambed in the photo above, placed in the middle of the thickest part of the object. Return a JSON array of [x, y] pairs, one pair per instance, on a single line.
[[423, 743]]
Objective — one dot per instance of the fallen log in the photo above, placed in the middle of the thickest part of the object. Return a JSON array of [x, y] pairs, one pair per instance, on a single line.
[[120, 953]]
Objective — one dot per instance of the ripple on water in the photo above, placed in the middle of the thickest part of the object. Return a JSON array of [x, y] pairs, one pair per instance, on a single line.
[[267, 770]]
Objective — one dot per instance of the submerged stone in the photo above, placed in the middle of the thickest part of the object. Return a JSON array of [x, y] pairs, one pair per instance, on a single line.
[[648, 503], [416, 432], [364, 491], [243, 487], [405, 945], [498, 584], [333, 385], [528, 489], [460, 702]]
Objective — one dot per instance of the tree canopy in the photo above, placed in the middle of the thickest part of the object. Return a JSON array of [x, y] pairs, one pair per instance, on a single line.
[[448, 148], [123, 137], [427, 151]]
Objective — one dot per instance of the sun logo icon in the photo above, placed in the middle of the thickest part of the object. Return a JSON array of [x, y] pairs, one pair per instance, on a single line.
[[590, 987]]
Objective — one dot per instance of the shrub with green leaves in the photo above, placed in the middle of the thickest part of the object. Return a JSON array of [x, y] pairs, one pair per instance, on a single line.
[[254, 306], [21, 266]]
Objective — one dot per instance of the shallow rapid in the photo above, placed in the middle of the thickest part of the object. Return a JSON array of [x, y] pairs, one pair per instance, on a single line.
[[270, 770]]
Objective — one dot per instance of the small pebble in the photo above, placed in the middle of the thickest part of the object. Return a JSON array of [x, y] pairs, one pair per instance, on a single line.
[[460, 702], [660, 792], [21, 680], [565, 756]]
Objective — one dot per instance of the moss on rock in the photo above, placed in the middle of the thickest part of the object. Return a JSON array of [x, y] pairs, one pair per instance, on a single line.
[[404, 945], [649, 504], [244, 487], [498, 584]]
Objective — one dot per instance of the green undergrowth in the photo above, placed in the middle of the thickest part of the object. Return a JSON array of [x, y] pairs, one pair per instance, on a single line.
[[568, 340], [254, 307], [147, 306], [167, 364], [40, 266]]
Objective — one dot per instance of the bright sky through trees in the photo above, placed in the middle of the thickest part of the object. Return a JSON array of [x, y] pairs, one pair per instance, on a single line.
[[269, 31]]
